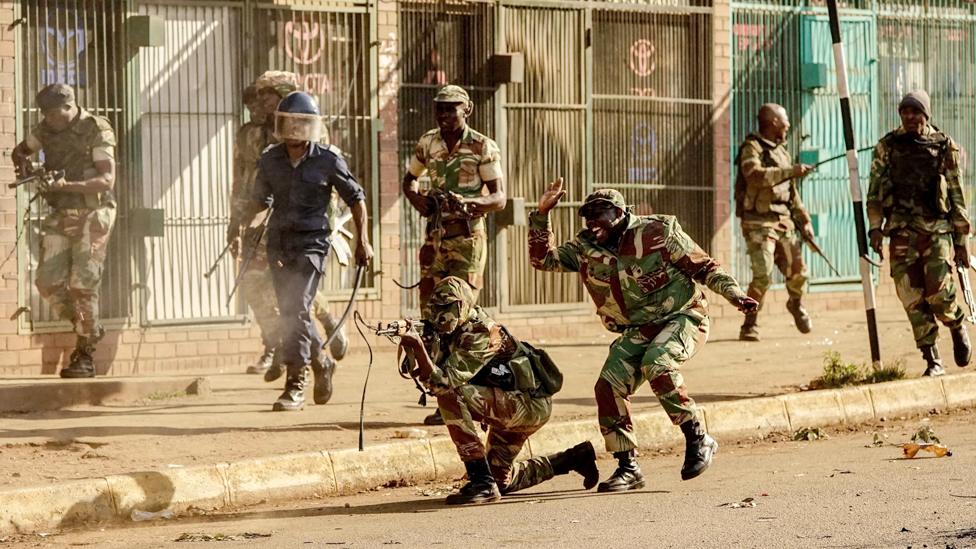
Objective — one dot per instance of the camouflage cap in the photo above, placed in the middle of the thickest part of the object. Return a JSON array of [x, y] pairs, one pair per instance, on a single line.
[[452, 94], [281, 82], [605, 196], [449, 290], [54, 96]]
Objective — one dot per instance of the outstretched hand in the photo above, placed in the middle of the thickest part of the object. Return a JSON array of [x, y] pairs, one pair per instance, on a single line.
[[746, 304], [552, 196]]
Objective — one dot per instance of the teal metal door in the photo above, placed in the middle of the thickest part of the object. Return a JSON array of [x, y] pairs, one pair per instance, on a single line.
[[826, 192]]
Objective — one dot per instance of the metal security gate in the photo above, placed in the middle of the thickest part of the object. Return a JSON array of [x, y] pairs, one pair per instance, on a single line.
[[546, 119], [81, 43], [442, 43], [782, 54], [931, 46], [329, 48], [190, 90]]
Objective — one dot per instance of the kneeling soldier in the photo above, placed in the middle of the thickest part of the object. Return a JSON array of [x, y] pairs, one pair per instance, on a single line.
[[480, 373]]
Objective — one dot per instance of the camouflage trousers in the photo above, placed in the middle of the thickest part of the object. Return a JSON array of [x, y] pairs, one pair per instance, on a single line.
[[636, 357], [69, 273], [769, 246], [512, 417], [461, 256], [257, 289], [924, 283]]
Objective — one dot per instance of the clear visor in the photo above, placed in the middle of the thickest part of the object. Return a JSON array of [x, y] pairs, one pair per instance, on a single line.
[[300, 127]]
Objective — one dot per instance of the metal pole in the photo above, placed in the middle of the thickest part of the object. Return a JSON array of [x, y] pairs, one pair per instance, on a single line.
[[862, 241]]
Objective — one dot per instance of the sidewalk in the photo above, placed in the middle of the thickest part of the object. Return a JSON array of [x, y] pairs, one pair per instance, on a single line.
[[165, 430]]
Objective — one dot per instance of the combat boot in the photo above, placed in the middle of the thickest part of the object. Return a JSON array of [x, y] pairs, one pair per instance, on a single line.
[[628, 475], [322, 369], [962, 351], [800, 316], [580, 458], [293, 398], [276, 370], [933, 361], [699, 449], [749, 330], [82, 364], [264, 363], [481, 486], [340, 343], [435, 418]]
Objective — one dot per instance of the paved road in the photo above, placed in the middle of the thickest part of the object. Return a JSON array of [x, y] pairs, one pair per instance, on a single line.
[[45, 447], [829, 493]]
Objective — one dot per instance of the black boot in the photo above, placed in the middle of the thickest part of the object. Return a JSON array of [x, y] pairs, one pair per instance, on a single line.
[[628, 475], [293, 399], [322, 369], [340, 343], [276, 370], [749, 331], [699, 449], [800, 316], [933, 361], [82, 365], [481, 486], [435, 418], [264, 363], [962, 351], [580, 458]]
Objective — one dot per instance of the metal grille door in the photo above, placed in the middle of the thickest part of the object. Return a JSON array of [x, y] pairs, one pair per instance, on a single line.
[[81, 43], [191, 102]]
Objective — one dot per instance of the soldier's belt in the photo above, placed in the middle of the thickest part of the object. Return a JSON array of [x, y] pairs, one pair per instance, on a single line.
[[454, 228]]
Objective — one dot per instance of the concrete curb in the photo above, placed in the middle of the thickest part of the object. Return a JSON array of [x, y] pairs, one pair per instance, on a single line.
[[320, 474]]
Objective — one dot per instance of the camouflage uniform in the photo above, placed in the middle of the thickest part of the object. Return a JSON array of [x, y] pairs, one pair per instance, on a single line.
[[915, 198], [455, 243], [648, 292], [74, 236], [484, 375], [769, 205]]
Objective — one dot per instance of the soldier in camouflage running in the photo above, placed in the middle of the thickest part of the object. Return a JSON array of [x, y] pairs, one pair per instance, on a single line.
[[915, 198], [645, 276], [461, 163], [480, 373], [257, 289], [773, 217], [75, 234]]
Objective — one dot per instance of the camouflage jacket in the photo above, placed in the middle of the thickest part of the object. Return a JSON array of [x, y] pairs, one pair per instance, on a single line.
[[250, 142], [474, 160], [478, 342], [88, 139], [652, 278], [917, 210], [766, 193]]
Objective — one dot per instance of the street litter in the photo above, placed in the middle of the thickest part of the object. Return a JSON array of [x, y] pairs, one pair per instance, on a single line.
[[877, 441], [809, 434], [221, 537], [926, 435], [911, 448], [140, 516], [748, 502]]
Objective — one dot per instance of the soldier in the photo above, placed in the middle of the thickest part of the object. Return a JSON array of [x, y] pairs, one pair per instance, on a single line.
[[296, 179], [915, 198], [461, 164], [767, 200], [74, 236], [253, 138], [644, 275], [480, 373]]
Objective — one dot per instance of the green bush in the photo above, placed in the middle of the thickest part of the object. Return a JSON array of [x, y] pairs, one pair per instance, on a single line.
[[896, 370], [837, 373]]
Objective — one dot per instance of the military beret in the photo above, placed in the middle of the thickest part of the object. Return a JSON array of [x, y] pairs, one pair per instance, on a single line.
[[605, 196], [452, 94], [54, 96]]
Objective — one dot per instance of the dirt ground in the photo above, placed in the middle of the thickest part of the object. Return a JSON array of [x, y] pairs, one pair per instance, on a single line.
[[236, 422], [842, 491]]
